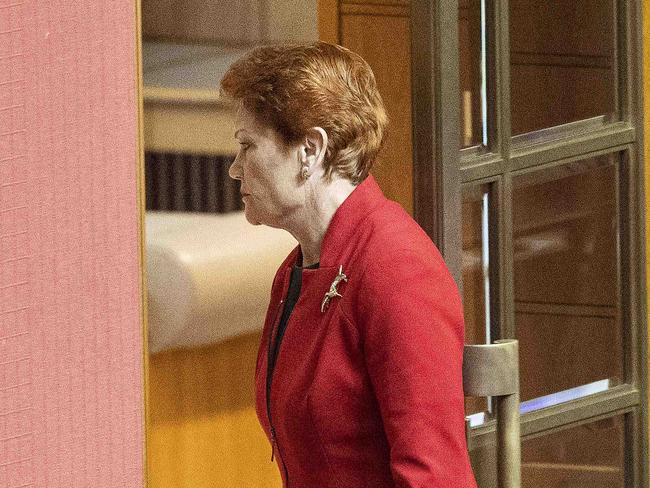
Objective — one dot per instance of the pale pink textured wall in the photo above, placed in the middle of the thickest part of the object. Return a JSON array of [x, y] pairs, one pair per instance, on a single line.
[[71, 378]]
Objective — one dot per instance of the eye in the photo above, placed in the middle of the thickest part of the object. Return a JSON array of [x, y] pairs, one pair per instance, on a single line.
[[244, 145]]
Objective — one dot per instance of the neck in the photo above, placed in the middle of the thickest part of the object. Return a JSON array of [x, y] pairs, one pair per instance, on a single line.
[[321, 203]]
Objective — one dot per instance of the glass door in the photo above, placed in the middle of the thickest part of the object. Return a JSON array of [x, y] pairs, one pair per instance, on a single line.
[[543, 219]]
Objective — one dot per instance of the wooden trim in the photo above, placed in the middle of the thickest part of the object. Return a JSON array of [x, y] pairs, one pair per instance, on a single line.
[[564, 468], [200, 42], [188, 96], [555, 473], [596, 126], [483, 168], [436, 148], [447, 124], [425, 177], [561, 60], [617, 400], [641, 95], [536, 308], [378, 10], [498, 61], [329, 21], [606, 140], [405, 3], [141, 199]]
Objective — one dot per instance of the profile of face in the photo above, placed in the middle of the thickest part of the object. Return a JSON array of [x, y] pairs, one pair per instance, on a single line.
[[269, 171]]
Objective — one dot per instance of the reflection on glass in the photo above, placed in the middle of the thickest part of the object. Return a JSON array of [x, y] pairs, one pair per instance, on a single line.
[[566, 281], [589, 456], [565, 396], [480, 418], [561, 61], [586, 456], [476, 276], [471, 34]]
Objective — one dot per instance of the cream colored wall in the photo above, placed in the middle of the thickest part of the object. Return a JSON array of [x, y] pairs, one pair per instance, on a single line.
[[230, 22], [188, 124], [290, 20], [203, 431]]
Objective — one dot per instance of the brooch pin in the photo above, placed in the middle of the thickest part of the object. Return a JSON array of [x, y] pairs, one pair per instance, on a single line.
[[333, 292]]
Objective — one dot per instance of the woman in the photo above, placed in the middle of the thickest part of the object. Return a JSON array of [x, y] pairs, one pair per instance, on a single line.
[[358, 376]]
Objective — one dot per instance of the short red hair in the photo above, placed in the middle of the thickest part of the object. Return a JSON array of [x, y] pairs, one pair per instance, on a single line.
[[293, 87]]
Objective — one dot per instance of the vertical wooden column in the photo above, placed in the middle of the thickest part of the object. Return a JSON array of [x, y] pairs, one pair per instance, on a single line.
[[380, 32], [71, 342], [646, 138]]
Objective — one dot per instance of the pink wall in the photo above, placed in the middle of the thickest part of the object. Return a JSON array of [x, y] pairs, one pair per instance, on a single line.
[[71, 372]]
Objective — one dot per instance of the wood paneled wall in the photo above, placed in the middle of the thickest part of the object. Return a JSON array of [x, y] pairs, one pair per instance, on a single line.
[[203, 429], [379, 30]]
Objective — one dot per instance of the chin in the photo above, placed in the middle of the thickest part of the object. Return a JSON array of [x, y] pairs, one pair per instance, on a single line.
[[252, 220]]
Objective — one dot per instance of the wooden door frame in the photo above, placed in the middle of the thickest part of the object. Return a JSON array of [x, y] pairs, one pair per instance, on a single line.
[[140, 181], [436, 145]]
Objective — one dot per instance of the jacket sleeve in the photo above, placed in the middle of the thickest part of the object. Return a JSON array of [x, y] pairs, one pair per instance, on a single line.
[[412, 328]]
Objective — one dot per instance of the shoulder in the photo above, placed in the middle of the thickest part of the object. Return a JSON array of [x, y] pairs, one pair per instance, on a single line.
[[396, 244], [398, 264]]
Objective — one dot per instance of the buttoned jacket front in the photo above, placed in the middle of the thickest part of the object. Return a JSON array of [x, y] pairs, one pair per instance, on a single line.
[[368, 392]]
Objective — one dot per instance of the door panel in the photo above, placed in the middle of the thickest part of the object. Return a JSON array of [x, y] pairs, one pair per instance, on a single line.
[[380, 33]]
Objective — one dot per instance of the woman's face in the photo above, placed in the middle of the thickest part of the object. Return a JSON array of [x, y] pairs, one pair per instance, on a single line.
[[269, 171]]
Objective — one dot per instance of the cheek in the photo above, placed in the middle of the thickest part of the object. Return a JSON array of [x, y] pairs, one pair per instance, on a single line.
[[263, 175], [252, 171], [269, 175]]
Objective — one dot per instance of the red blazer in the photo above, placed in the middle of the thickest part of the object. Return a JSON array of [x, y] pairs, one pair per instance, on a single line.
[[368, 392]]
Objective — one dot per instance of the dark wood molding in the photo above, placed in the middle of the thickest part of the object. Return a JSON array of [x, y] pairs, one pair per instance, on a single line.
[[425, 177], [436, 146], [379, 10]]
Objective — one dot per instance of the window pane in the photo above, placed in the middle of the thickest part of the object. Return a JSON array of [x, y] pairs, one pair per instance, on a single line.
[[587, 456], [476, 276], [561, 61], [566, 282], [471, 72]]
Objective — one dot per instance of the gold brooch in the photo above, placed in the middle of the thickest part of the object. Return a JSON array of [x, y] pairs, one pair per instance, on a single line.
[[333, 292]]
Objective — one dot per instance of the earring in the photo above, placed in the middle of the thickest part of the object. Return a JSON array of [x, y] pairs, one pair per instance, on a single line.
[[304, 173]]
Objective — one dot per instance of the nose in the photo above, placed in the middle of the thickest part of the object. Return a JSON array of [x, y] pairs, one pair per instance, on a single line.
[[235, 169]]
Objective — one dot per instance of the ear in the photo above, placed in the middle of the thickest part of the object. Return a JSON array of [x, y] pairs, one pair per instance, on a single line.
[[314, 147]]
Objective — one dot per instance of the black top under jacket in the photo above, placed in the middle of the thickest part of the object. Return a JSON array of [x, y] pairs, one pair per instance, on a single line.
[[295, 284]]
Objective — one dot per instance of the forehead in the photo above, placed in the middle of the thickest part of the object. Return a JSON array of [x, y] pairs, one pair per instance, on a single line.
[[247, 122]]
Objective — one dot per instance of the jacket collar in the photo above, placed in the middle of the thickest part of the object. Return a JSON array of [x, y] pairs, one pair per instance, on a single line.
[[365, 198]]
